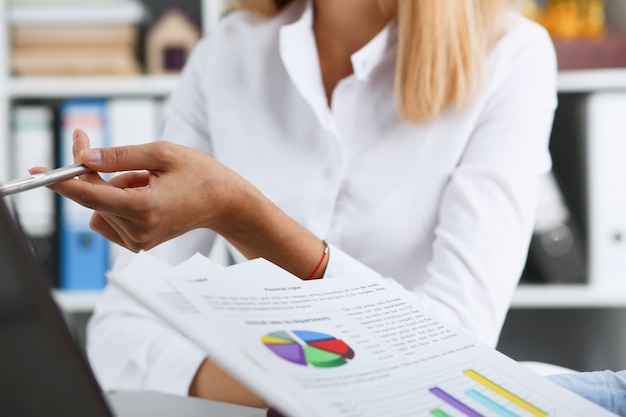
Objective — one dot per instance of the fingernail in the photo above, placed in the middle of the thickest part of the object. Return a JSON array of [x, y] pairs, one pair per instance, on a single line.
[[75, 135], [91, 155]]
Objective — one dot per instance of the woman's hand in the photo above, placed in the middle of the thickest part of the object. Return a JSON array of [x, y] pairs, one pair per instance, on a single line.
[[176, 190], [166, 190], [172, 189]]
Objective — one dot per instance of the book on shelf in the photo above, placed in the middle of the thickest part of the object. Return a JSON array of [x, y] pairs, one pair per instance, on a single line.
[[606, 182], [90, 38], [83, 253], [38, 36], [74, 60], [341, 346]]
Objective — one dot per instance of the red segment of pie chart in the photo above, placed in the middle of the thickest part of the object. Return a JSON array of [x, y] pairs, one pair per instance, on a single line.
[[335, 346]]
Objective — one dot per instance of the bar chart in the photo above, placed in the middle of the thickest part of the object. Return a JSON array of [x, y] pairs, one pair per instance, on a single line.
[[470, 389], [485, 395]]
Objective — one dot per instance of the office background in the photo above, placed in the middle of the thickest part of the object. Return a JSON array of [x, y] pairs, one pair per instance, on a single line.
[[570, 308]]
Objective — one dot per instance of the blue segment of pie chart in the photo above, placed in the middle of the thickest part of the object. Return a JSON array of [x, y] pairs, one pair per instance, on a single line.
[[309, 336]]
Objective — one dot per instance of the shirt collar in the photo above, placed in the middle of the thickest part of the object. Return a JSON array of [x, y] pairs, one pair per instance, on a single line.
[[299, 55], [298, 52], [364, 61]]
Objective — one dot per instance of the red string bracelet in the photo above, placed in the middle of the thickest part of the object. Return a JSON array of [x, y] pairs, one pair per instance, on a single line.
[[324, 255]]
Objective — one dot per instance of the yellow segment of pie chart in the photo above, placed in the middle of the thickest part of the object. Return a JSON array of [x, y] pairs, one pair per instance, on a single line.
[[269, 340]]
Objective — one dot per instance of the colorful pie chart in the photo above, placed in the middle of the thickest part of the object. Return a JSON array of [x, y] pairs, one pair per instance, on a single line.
[[305, 347]]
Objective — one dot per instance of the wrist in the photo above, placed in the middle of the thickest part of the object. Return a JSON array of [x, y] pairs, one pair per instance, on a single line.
[[320, 268]]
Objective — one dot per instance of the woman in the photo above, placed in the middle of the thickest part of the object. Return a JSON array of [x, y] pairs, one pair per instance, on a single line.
[[409, 135]]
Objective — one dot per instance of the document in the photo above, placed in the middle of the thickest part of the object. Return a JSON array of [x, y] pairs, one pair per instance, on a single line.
[[340, 346]]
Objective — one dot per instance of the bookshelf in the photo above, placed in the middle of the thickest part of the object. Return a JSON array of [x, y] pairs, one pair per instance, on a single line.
[[34, 88]]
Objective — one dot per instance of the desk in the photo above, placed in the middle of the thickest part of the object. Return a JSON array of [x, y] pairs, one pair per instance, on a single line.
[[153, 404]]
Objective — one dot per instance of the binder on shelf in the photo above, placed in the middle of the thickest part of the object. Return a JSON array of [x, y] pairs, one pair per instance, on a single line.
[[133, 121], [32, 144], [606, 189], [556, 254], [84, 254]]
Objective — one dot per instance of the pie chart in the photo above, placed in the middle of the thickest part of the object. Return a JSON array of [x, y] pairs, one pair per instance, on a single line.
[[304, 347]]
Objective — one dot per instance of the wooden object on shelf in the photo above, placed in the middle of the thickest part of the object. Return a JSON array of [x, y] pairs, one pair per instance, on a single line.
[[169, 41], [23, 36], [573, 19], [606, 52]]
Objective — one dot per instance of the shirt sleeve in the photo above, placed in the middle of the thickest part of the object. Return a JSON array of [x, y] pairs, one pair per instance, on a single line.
[[128, 347], [131, 349], [487, 209]]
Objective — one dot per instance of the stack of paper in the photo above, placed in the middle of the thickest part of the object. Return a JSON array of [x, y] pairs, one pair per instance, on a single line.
[[351, 346]]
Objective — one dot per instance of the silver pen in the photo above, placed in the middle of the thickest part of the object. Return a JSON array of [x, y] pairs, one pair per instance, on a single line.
[[43, 179]]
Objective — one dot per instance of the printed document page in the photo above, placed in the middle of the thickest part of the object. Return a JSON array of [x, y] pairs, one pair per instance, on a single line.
[[349, 346]]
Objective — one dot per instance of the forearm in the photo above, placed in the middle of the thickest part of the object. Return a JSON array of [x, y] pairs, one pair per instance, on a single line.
[[213, 383], [258, 228]]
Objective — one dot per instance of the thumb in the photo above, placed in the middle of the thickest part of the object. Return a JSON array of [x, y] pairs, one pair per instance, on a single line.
[[122, 158]]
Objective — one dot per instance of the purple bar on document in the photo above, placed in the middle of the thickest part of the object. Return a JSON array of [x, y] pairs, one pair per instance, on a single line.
[[454, 402]]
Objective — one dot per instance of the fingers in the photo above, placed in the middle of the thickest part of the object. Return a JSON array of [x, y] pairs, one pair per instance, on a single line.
[[100, 225], [38, 170], [155, 156], [131, 180], [99, 196], [81, 141], [119, 231]]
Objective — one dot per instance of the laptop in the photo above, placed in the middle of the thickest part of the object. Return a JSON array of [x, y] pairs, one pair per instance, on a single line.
[[43, 371]]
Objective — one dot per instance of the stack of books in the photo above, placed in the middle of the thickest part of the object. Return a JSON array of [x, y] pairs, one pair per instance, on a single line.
[[61, 37]]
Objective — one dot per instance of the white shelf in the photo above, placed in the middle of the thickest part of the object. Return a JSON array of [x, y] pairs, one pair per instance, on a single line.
[[62, 87], [567, 296], [526, 296], [583, 81], [578, 81], [77, 301]]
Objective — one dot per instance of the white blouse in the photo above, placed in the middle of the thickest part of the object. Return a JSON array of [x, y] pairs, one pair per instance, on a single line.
[[445, 208]]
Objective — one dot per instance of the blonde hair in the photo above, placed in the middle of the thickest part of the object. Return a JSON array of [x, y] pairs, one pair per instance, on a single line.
[[442, 49]]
